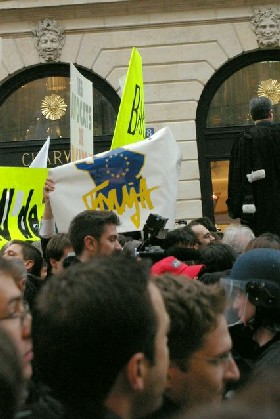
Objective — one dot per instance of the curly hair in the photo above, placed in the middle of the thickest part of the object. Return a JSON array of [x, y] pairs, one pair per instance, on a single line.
[[193, 309]]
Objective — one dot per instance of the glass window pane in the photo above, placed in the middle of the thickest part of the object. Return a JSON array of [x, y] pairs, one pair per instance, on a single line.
[[21, 115], [230, 103]]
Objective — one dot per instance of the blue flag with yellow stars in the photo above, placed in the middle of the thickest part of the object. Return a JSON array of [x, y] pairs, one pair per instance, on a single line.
[[114, 170]]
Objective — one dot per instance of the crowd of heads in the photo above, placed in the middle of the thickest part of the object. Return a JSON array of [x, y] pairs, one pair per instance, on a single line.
[[116, 332]]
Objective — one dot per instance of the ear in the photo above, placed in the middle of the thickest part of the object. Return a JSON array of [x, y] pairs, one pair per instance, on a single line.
[[90, 244], [136, 370], [53, 262], [28, 264]]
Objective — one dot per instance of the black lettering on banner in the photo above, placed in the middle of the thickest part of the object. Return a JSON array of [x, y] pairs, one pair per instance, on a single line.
[[25, 216], [4, 226], [137, 116]]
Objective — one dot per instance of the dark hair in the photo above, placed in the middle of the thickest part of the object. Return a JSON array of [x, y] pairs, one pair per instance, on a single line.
[[265, 240], [180, 236], [259, 108], [193, 309], [206, 222], [92, 319], [55, 248], [30, 252], [90, 223], [217, 257], [11, 378]]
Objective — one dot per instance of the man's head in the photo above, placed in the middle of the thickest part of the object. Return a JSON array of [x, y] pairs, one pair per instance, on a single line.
[[237, 237], [57, 249], [31, 256], [199, 342], [94, 233], [202, 234], [105, 327], [14, 317], [181, 237], [260, 108]]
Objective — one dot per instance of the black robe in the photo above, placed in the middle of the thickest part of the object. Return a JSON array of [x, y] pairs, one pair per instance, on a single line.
[[257, 151]]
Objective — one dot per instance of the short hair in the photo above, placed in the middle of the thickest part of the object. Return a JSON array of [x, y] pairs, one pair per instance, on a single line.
[[180, 236], [56, 246], [265, 240], [237, 236], [13, 267], [92, 319], [217, 257], [11, 377], [259, 107], [193, 309], [30, 252], [206, 222], [89, 222]]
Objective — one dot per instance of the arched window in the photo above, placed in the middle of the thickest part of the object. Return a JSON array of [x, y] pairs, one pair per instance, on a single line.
[[23, 122], [222, 115]]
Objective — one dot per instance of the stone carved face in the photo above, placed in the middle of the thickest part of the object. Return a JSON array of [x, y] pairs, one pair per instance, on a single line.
[[266, 24], [49, 40]]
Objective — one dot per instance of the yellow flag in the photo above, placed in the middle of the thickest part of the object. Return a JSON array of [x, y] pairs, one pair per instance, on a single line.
[[21, 208], [130, 125]]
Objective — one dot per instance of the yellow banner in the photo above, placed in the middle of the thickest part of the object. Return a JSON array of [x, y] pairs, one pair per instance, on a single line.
[[130, 125], [21, 206]]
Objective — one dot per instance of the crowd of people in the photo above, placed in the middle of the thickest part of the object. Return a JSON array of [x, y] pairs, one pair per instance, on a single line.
[[100, 332], [90, 327]]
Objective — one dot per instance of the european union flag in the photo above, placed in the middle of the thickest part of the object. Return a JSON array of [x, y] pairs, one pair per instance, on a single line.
[[119, 167]]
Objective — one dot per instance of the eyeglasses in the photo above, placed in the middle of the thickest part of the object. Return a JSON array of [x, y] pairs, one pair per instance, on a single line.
[[21, 315]]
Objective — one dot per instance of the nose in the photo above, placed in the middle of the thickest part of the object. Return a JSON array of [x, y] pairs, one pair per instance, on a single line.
[[231, 372], [118, 246], [26, 326], [212, 238]]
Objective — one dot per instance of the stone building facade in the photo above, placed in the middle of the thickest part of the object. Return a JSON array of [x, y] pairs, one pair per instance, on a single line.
[[182, 44]]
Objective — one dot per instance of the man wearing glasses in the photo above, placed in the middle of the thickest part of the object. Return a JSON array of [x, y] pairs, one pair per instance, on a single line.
[[199, 345], [14, 314]]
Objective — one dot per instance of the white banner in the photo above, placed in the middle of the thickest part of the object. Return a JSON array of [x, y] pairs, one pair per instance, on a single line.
[[134, 181], [81, 115]]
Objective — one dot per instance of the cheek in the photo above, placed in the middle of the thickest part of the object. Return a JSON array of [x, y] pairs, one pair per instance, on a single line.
[[250, 311]]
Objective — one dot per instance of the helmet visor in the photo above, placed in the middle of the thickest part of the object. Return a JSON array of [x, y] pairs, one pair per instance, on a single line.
[[237, 301]]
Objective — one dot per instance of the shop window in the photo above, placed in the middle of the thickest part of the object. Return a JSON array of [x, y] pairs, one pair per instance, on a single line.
[[24, 114], [229, 106]]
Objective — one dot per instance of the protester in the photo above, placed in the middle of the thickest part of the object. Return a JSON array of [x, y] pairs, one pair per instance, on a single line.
[[218, 259], [202, 234], [199, 345], [265, 240], [94, 233], [33, 262], [105, 329], [58, 247], [183, 245], [237, 236]]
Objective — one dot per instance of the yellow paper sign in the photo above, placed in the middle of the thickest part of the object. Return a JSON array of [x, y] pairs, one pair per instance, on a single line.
[[21, 207], [130, 125]]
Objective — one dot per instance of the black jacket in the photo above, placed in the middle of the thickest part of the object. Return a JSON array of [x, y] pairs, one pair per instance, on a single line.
[[257, 150]]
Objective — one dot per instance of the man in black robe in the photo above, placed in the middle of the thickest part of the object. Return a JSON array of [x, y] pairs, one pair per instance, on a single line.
[[254, 172]]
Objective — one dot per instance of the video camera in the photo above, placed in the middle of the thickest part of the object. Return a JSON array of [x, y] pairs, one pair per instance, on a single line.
[[154, 224]]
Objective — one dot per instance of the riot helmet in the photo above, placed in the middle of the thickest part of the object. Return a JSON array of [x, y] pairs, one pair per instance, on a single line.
[[253, 288]]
